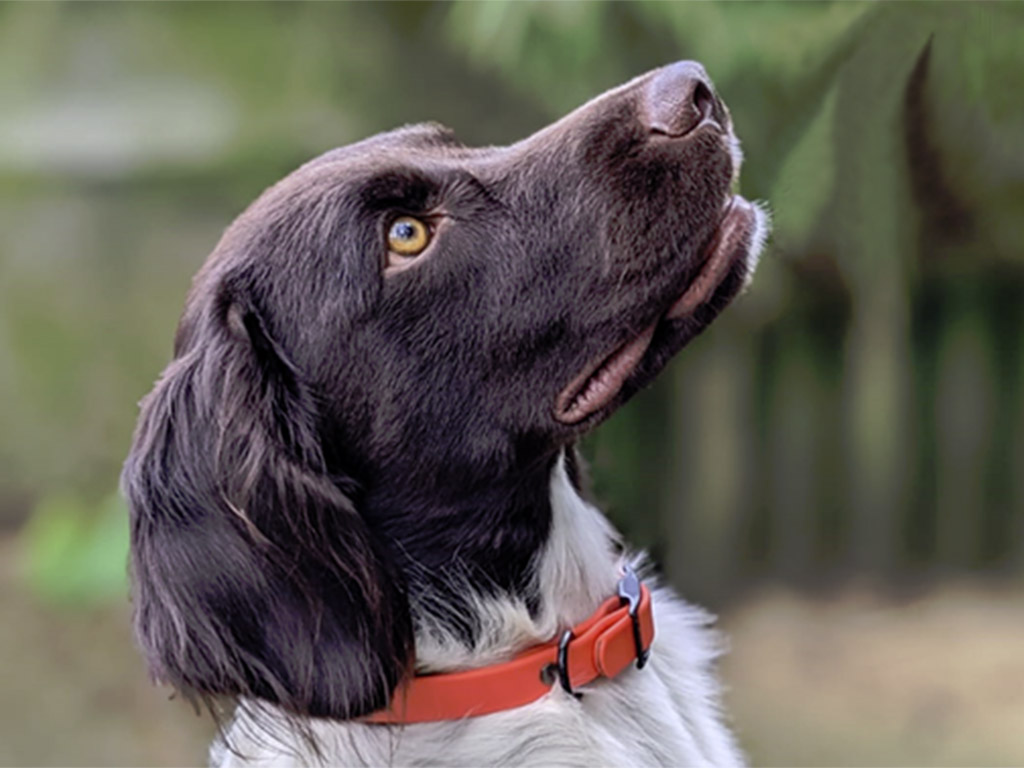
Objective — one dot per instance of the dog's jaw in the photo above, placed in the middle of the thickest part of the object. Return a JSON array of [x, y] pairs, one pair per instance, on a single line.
[[735, 248]]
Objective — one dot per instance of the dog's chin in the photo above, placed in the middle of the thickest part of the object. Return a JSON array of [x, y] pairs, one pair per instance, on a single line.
[[728, 265]]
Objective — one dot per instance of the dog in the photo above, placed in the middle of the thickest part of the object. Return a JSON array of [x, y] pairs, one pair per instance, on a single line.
[[356, 479]]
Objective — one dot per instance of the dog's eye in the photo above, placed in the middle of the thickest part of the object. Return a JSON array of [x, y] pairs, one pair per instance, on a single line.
[[408, 236]]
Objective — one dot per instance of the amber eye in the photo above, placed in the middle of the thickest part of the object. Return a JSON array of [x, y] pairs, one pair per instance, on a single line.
[[408, 236]]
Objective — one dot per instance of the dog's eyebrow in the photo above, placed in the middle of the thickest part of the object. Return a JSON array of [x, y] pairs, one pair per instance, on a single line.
[[425, 186], [463, 186], [401, 187]]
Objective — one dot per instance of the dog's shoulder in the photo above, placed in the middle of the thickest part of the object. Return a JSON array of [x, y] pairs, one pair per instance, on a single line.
[[684, 660]]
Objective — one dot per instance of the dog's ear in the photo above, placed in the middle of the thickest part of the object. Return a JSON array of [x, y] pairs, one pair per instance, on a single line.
[[253, 573]]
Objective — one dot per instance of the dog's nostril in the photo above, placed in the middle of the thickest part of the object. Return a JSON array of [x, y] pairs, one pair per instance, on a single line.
[[703, 101], [678, 99]]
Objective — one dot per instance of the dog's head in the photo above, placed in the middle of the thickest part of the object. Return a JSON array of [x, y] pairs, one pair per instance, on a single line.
[[381, 359]]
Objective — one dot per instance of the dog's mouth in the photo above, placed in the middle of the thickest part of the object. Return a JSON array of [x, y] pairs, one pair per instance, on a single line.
[[735, 241]]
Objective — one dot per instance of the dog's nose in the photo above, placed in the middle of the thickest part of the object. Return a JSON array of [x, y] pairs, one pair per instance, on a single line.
[[679, 98]]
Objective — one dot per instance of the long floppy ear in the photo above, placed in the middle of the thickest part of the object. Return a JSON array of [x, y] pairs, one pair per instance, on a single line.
[[253, 573]]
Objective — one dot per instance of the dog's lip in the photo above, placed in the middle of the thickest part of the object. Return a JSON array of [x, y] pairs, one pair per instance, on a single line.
[[597, 384], [731, 241]]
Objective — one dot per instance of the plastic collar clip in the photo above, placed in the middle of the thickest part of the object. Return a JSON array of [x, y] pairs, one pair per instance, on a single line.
[[629, 594]]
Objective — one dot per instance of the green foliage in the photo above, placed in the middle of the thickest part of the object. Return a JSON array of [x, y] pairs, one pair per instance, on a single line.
[[75, 553]]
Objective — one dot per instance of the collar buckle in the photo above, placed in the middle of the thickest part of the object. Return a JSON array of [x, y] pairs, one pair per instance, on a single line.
[[629, 594]]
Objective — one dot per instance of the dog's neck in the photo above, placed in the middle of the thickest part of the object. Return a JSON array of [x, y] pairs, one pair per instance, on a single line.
[[577, 569], [572, 572]]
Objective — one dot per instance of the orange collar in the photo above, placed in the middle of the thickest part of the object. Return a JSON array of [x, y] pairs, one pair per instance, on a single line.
[[620, 631]]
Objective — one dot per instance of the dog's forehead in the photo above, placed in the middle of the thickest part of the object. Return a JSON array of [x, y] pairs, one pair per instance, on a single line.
[[424, 150]]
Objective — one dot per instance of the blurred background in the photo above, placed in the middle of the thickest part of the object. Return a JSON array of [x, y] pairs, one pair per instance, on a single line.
[[836, 467]]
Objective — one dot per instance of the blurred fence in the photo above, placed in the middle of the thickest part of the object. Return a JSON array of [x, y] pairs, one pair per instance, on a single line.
[[861, 409]]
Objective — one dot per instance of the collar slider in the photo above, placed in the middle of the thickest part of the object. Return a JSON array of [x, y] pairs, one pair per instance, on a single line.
[[563, 663]]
